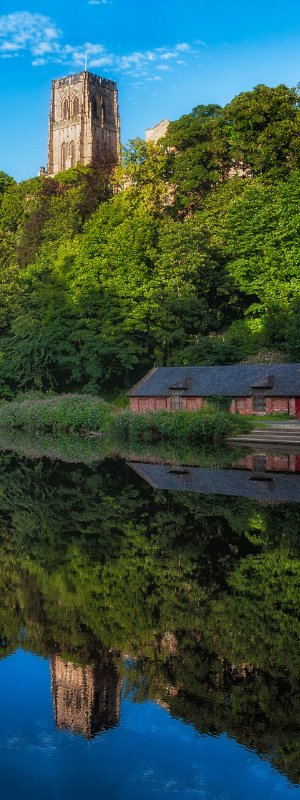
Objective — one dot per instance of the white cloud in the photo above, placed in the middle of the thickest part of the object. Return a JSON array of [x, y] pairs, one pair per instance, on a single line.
[[39, 36], [157, 78], [183, 47], [25, 31]]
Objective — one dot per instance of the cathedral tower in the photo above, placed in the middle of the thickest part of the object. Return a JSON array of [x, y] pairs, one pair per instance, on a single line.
[[83, 120]]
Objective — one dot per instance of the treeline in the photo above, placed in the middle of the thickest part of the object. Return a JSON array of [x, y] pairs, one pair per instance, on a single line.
[[187, 253]]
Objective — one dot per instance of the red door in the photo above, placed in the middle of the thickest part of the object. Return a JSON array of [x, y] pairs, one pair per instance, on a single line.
[[297, 407]]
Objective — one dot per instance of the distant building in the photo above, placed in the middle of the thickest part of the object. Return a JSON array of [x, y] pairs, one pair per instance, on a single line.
[[156, 133], [86, 700], [252, 389], [83, 121]]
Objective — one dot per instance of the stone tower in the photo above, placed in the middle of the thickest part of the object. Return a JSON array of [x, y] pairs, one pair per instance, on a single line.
[[83, 120]]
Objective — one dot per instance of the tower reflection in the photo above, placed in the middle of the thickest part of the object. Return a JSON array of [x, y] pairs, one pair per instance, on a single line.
[[86, 700]]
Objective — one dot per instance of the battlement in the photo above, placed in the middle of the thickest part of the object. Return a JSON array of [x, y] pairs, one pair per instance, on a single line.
[[92, 78]]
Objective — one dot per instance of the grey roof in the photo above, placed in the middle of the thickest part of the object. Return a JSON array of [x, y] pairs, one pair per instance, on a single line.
[[238, 483], [235, 381]]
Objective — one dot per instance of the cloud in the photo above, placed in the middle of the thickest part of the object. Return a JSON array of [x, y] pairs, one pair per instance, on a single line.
[[39, 36], [184, 47], [25, 31]]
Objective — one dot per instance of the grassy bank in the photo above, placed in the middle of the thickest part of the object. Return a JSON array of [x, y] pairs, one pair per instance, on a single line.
[[66, 412], [196, 426], [82, 413]]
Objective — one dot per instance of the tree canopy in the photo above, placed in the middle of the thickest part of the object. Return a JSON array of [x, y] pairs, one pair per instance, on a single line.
[[187, 252]]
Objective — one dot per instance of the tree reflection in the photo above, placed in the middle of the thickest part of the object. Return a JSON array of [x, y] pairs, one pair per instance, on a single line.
[[189, 600]]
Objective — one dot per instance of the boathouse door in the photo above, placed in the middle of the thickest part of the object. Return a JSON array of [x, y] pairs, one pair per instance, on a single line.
[[297, 407]]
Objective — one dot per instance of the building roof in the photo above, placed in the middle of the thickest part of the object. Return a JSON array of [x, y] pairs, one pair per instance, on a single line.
[[233, 482], [235, 381]]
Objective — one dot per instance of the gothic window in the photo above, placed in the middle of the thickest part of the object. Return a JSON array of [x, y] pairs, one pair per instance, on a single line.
[[65, 109], [72, 153], [259, 401], [103, 112], [94, 107], [63, 156], [75, 106], [175, 395]]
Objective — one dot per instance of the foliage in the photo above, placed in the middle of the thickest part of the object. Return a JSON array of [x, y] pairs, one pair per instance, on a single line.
[[265, 356], [5, 182], [34, 411], [187, 252], [198, 426]]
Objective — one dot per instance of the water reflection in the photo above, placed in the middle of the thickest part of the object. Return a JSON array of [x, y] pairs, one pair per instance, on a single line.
[[257, 476], [190, 601], [86, 700]]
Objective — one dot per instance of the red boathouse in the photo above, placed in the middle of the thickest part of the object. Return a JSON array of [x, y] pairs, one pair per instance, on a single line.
[[251, 388]]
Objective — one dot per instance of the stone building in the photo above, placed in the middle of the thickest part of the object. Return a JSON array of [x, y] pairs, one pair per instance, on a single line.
[[156, 133], [83, 121]]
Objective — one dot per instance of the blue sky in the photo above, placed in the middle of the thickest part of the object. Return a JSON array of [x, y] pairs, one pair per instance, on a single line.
[[167, 56]]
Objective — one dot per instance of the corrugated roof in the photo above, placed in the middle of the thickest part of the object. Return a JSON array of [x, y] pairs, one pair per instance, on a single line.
[[234, 381]]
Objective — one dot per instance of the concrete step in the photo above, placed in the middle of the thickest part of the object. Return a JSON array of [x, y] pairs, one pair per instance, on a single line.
[[280, 435], [265, 440]]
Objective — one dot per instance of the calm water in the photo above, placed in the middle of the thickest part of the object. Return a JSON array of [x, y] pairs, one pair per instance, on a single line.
[[150, 637]]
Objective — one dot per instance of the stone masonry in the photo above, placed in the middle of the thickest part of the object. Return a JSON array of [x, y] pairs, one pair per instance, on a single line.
[[83, 121], [156, 133]]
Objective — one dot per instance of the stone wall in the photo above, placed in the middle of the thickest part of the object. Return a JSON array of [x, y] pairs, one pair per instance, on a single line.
[[83, 120], [156, 133]]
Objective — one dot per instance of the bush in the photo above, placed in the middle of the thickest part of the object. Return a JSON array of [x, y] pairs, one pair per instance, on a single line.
[[57, 412], [198, 426]]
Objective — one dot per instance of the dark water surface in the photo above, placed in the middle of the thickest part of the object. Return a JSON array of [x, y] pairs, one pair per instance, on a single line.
[[149, 637]]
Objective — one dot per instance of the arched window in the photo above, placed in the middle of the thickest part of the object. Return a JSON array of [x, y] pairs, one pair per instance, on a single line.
[[64, 110], [94, 107], [63, 156], [75, 106], [72, 153]]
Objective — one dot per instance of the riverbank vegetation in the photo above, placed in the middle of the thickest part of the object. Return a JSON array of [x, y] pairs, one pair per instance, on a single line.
[[35, 411], [187, 254], [196, 426], [83, 413]]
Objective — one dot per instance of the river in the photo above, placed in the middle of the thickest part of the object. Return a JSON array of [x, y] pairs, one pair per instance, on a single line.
[[150, 632]]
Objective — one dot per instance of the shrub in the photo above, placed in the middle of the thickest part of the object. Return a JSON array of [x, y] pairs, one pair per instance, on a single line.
[[197, 426], [57, 412]]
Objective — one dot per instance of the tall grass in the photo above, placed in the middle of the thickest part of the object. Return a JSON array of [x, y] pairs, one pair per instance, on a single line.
[[197, 426], [66, 412]]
